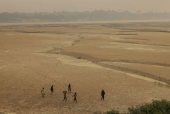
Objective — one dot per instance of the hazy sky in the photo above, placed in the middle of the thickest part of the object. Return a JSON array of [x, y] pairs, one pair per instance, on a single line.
[[83, 5]]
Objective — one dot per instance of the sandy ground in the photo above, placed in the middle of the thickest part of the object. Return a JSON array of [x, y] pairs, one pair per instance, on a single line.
[[130, 61]]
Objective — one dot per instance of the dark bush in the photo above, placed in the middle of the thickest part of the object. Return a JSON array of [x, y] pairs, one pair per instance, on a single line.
[[78, 57], [156, 107], [113, 112]]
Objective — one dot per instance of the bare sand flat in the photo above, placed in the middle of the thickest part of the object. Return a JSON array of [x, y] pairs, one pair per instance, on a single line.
[[130, 61]]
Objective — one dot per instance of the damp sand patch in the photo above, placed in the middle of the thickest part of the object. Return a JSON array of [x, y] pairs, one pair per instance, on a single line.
[[71, 60], [75, 61]]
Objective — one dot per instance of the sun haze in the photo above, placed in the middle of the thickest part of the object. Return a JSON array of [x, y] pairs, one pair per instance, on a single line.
[[84, 5]]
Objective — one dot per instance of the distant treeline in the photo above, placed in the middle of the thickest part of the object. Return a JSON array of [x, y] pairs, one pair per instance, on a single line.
[[97, 15]]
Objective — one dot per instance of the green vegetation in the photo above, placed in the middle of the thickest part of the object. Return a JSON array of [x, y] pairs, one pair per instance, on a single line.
[[113, 112], [79, 58], [156, 107]]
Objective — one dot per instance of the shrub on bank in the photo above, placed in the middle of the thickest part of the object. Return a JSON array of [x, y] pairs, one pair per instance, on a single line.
[[156, 107], [113, 112]]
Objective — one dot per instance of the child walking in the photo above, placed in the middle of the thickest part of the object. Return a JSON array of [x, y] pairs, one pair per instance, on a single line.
[[69, 88], [65, 98], [42, 92], [75, 97]]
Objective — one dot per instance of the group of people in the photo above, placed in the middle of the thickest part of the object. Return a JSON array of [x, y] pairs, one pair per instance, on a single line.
[[69, 90], [64, 92]]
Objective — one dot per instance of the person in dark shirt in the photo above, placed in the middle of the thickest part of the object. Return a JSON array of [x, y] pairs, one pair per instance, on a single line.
[[102, 94], [69, 88], [52, 90], [75, 97]]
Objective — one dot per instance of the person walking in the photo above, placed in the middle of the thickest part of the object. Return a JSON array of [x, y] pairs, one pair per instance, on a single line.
[[43, 92], [75, 97], [52, 90], [69, 88], [102, 94], [65, 98]]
